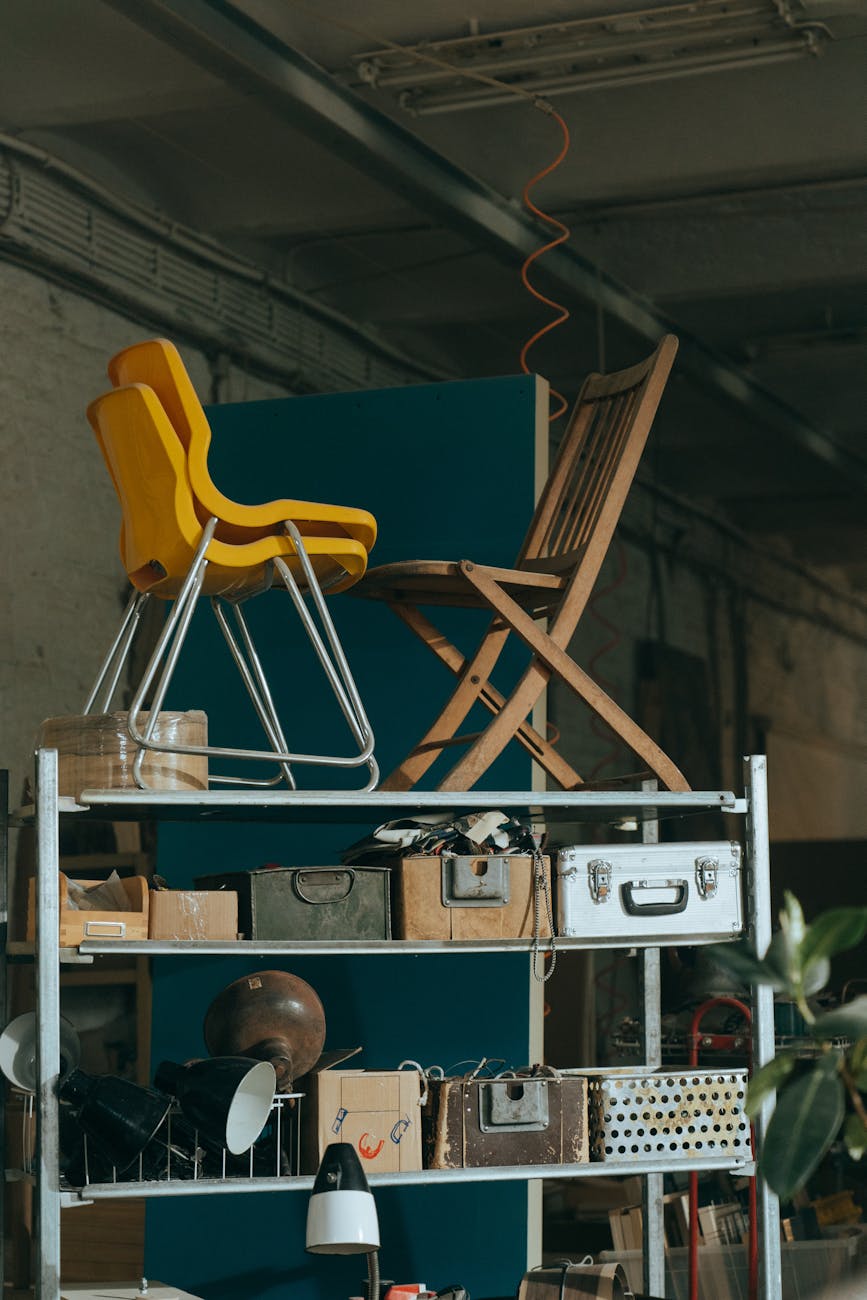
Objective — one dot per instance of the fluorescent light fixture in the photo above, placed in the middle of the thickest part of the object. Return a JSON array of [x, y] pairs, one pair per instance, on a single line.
[[641, 45]]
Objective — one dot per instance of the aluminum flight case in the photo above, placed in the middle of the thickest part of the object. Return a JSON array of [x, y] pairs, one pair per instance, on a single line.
[[622, 894]]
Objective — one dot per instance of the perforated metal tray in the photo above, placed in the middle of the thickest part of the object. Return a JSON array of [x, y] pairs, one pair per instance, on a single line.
[[659, 1114]]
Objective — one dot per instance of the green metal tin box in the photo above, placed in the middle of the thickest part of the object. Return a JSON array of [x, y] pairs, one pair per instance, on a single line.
[[278, 902]]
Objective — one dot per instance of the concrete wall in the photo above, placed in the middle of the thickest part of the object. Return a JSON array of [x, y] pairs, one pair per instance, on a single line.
[[62, 587]]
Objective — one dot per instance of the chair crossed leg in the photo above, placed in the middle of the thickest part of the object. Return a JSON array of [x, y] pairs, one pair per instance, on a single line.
[[549, 659]]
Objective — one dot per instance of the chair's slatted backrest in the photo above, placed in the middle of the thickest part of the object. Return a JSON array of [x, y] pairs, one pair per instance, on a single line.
[[588, 484]]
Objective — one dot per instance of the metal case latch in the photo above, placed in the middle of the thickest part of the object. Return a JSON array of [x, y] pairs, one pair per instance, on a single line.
[[513, 1106], [475, 882], [599, 880], [706, 876]]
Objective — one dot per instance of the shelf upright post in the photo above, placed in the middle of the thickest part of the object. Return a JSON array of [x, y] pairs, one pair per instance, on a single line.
[[47, 1025], [759, 907], [4, 999], [653, 1233]]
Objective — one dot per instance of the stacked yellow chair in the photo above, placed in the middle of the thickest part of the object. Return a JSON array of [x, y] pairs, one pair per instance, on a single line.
[[181, 537]]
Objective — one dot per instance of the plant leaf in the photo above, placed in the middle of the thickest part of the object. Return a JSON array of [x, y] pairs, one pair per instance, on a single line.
[[815, 976], [858, 1064], [834, 932], [855, 1136], [805, 1122], [740, 960], [848, 1021], [792, 922], [767, 1079]]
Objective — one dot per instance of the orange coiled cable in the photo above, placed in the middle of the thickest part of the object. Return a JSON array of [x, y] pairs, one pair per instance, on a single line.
[[561, 237]]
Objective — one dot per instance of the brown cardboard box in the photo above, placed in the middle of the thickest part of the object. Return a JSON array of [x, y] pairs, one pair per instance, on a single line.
[[487, 897], [376, 1110], [77, 925], [469, 1123], [193, 914]]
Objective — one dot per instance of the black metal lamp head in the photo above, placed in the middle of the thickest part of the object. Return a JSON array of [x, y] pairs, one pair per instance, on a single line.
[[228, 1097], [119, 1117]]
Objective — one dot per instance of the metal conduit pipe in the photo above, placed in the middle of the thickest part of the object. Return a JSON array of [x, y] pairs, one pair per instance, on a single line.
[[54, 219]]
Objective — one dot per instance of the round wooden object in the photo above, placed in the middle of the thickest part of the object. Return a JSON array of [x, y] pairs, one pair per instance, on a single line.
[[96, 752]]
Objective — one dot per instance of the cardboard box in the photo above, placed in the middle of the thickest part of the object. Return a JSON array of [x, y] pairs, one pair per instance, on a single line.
[[376, 1110], [486, 897], [77, 925], [540, 1120], [193, 914]]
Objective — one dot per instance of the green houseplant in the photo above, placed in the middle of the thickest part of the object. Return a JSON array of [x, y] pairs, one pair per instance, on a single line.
[[820, 1095]]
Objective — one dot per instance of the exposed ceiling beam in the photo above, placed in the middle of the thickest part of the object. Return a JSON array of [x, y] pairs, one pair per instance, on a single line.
[[220, 38]]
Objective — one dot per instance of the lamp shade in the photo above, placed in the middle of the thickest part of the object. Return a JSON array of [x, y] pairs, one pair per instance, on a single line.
[[18, 1050], [271, 1015], [228, 1097], [341, 1214], [119, 1117]]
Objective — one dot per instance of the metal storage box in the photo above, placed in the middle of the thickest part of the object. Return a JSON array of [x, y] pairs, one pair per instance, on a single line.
[[643, 1114], [650, 893], [472, 1122], [309, 902], [490, 896]]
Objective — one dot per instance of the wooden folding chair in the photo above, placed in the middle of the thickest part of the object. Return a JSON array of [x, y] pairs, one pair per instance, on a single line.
[[542, 598]]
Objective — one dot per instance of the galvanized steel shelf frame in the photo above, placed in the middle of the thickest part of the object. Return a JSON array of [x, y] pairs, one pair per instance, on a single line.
[[313, 806]]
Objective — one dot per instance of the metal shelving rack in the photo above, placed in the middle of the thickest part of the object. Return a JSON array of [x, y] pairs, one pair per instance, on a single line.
[[310, 806]]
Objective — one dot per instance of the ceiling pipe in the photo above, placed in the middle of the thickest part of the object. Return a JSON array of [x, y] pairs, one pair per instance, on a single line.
[[247, 56]]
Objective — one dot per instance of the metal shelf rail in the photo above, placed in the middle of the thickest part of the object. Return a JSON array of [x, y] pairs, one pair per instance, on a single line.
[[308, 806]]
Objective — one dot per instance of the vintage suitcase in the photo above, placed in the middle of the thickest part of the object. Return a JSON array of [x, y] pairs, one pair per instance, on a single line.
[[309, 902], [491, 896], [516, 1120], [650, 893]]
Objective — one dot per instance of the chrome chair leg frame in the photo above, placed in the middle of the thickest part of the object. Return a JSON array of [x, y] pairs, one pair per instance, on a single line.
[[336, 668], [117, 655], [253, 676]]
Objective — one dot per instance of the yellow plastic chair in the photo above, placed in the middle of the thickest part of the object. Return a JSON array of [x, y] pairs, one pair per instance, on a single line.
[[157, 363], [170, 552]]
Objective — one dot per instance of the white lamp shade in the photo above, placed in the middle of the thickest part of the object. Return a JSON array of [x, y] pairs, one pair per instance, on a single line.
[[342, 1223], [250, 1108], [18, 1050]]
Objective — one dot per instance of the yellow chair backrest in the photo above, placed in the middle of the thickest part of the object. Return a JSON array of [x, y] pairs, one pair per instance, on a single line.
[[147, 464], [161, 527], [158, 364]]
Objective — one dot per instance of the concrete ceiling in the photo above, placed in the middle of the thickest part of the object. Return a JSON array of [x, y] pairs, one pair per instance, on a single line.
[[730, 203]]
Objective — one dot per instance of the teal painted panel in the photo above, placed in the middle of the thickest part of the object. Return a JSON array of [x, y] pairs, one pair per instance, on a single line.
[[447, 469]]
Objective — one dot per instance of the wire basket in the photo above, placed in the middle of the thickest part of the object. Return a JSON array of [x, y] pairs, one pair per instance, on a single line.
[[651, 1114], [180, 1151]]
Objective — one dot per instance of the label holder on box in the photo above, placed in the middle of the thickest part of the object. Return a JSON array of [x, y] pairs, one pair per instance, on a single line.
[[105, 929]]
